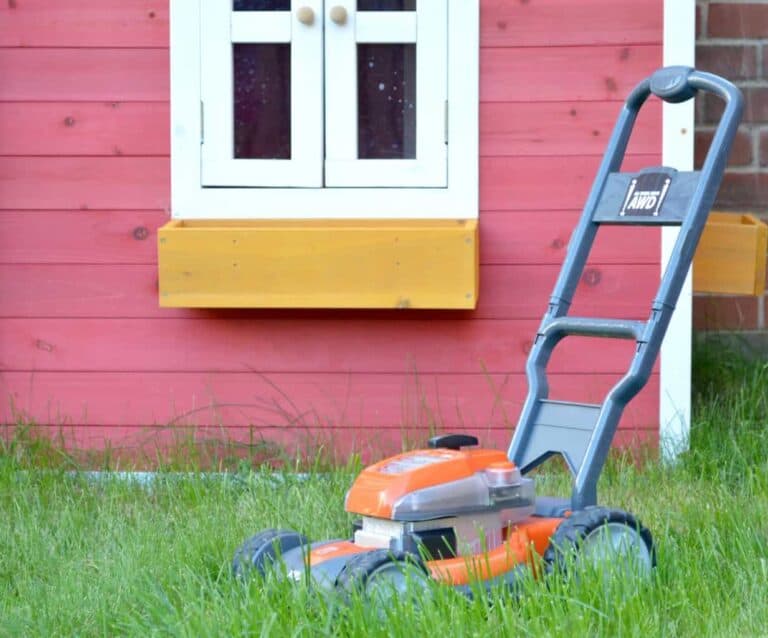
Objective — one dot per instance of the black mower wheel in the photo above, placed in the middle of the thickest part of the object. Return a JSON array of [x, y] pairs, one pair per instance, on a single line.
[[260, 552], [382, 573], [598, 535]]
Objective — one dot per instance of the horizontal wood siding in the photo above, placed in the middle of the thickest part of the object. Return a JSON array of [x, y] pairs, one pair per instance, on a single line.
[[302, 400], [222, 343], [84, 185], [129, 290], [143, 446], [129, 237], [103, 129]]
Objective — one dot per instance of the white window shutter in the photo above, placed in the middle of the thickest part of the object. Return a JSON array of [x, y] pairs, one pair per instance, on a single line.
[[221, 28]]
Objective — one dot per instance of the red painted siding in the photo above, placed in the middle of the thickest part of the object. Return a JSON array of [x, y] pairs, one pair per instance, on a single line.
[[84, 184]]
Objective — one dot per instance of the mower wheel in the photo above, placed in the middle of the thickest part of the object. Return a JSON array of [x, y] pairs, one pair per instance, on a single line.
[[382, 574], [601, 536], [260, 552]]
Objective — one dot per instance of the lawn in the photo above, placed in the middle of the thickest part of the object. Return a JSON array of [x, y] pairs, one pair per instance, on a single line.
[[81, 557]]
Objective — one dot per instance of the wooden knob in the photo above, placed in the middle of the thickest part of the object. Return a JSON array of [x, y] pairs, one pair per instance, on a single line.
[[305, 15], [339, 15]]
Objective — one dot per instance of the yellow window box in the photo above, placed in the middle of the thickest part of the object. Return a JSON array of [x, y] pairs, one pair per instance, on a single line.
[[319, 264], [731, 256]]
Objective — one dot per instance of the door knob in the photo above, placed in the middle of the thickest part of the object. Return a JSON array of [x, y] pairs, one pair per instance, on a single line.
[[339, 15], [305, 15]]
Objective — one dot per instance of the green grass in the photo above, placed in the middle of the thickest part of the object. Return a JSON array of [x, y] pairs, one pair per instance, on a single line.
[[114, 558]]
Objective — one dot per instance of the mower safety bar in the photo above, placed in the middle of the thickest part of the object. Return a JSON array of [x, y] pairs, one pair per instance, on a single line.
[[587, 448], [588, 327]]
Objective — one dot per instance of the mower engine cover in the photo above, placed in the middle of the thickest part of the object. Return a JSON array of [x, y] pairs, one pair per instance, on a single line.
[[430, 484], [441, 502]]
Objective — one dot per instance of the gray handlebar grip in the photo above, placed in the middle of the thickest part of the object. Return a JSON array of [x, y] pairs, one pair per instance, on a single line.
[[676, 84], [671, 84]]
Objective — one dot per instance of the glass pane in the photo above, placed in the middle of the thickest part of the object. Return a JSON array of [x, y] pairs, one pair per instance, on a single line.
[[261, 5], [262, 85], [386, 101], [386, 5]]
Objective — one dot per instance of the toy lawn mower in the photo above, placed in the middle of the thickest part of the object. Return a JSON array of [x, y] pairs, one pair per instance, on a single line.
[[462, 515]]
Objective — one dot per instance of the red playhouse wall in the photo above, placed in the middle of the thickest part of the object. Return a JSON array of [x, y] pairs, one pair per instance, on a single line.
[[84, 184]]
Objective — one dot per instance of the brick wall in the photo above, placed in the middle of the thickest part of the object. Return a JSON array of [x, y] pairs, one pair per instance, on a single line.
[[732, 41]]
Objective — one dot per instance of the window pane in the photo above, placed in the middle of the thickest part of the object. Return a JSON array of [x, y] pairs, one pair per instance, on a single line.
[[262, 86], [386, 5], [261, 5], [386, 101]]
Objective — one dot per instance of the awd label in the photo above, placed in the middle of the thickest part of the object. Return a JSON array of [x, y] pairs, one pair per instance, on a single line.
[[646, 194]]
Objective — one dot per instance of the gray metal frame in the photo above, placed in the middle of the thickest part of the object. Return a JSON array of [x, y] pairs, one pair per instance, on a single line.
[[582, 433]]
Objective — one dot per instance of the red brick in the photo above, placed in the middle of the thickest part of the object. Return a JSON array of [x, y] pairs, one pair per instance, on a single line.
[[744, 191], [733, 61], [755, 106], [765, 61], [699, 20], [724, 313], [741, 152], [744, 20], [763, 145]]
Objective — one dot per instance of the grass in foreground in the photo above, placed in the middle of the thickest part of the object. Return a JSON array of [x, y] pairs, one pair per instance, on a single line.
[[114, 558]]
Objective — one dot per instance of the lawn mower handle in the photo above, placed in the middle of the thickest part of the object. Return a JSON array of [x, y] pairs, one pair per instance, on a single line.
[[548, 427], [677, 84]]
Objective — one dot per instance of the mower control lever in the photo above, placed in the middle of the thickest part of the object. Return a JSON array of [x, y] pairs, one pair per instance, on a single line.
[[452, 441]]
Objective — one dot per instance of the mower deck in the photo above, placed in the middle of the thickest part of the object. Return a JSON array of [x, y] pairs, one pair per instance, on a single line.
[[532, 535]]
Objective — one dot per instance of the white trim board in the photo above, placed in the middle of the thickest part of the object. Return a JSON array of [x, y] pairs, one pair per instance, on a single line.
[[677, 152]]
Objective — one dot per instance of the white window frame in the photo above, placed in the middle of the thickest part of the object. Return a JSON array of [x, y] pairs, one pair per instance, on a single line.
[[458, 200]]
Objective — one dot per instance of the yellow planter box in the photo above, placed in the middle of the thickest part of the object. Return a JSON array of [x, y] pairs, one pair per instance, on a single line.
[[731, 256], [319, 264]]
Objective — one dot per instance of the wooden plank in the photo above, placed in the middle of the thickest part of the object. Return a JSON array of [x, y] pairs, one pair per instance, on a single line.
[[129, 237], [82, 183], [119, 291], [144, 23], [341, 343], [521, 292], [564, 73], [137, 447], [130, 183], [82, 75], [84, 23], [326, 264], [507, 74], [565, 22], [84, 128], [80, 237], [126, 128], [561, 128], [542, 237], [543, 183], [293, 401], [731, 255]]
